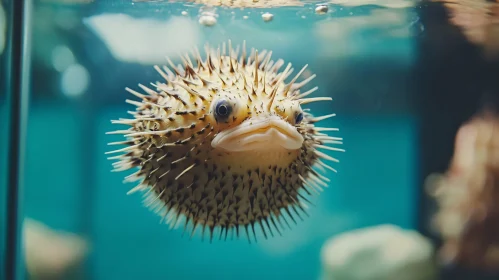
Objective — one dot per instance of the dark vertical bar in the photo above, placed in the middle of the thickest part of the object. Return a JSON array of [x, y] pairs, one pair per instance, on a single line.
[[19, 83], [451, 81], [455, 83]]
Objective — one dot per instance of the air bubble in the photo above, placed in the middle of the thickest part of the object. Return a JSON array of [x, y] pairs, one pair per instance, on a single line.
[[267, 17], [208, 19], [321, 9]]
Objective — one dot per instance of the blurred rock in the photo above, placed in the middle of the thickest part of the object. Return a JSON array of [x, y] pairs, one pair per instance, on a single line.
[[479, 21], [467, 196], [51, 254], [384, 252]]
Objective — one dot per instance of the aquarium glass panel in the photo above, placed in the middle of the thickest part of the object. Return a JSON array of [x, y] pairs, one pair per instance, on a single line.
[[84, 55]]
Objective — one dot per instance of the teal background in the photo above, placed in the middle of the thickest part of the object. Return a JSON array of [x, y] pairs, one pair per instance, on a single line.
[[69, 186], [372, 187]]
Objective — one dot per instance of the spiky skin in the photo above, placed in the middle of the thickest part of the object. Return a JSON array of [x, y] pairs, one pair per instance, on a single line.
[[170, 142]]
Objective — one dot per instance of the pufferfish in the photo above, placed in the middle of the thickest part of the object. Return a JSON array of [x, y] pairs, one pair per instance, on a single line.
[[225, 144]]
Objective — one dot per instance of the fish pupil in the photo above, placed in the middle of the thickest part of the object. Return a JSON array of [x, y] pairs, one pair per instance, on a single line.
[[299, 118], [223, 109]]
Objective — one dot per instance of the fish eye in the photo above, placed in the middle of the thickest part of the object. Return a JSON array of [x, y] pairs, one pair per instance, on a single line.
[[299, 118], [223, 109]]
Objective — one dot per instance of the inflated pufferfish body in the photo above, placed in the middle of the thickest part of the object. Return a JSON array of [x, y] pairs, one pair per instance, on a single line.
[[224, 143]]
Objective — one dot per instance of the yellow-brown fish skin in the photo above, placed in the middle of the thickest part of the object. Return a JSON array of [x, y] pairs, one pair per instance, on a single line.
[[172, 140]]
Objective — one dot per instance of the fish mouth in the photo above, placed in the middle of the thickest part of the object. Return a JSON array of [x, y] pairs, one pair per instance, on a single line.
[[268, 133]]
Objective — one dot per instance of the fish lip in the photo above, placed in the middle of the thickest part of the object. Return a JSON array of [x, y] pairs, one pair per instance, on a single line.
[[268, 133]]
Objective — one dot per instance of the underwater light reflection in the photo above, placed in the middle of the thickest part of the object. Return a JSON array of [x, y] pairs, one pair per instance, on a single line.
[[3, 28], [62, 57], [130, 39], [75, 80]]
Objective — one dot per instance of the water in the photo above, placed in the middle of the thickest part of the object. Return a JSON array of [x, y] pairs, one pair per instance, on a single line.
[[366, 57]]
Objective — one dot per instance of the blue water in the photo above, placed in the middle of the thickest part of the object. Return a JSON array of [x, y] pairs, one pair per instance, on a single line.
[[372, 187], [69, 186]]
